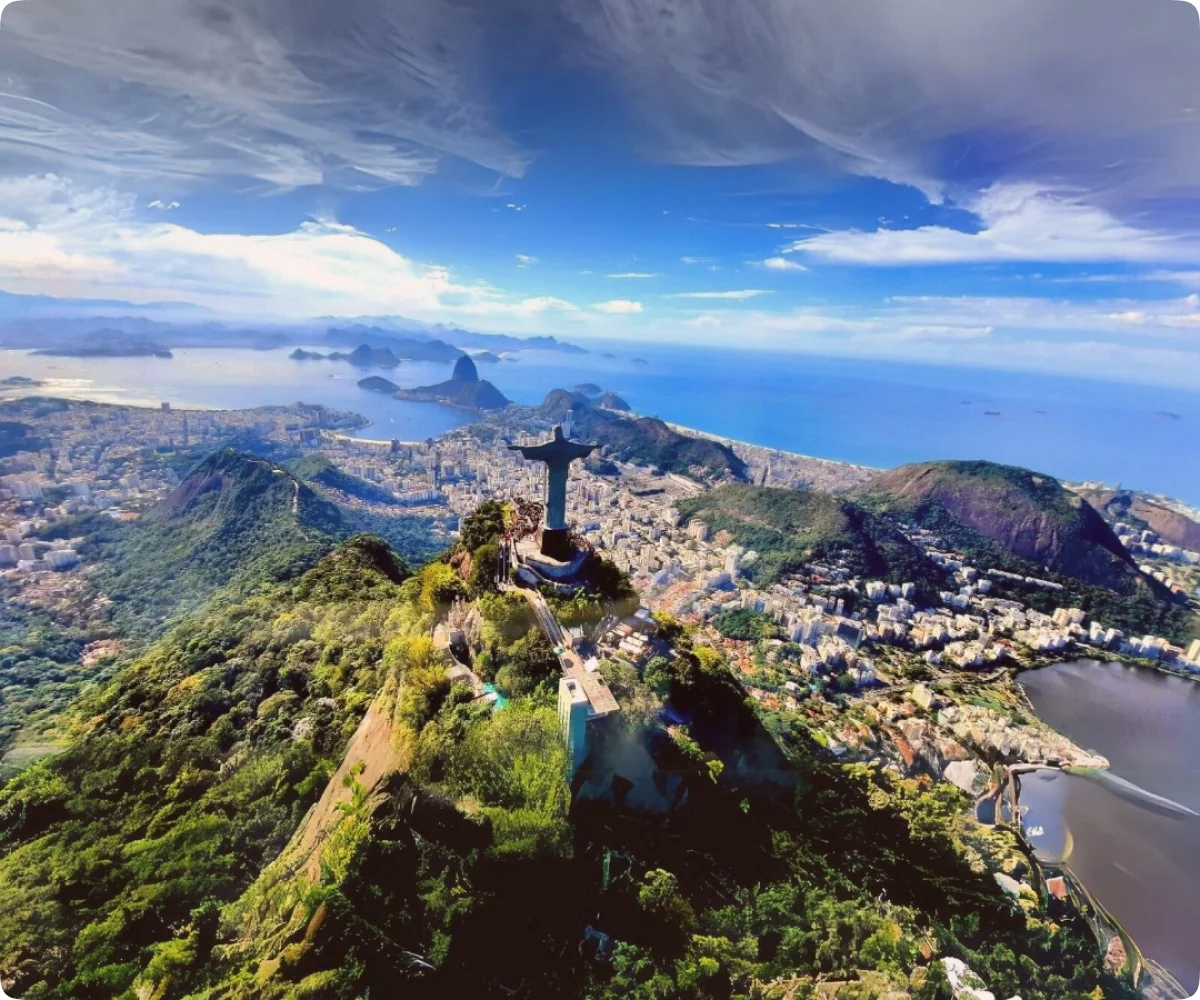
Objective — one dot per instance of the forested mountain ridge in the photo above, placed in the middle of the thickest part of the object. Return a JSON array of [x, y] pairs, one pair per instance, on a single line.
[[235, 518], [172, 849], [316, 468], [788, 528], [1029, 515], [1025, 522]]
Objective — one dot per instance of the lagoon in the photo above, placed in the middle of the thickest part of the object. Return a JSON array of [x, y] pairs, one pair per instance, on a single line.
[[1131, 836]]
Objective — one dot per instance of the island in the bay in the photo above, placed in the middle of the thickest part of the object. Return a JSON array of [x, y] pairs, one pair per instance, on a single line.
[[363, 356], [464, 389]]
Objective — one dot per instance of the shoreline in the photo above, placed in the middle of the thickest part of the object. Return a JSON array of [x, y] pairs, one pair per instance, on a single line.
[[1161, 981], [736, 443], [1101, 920]]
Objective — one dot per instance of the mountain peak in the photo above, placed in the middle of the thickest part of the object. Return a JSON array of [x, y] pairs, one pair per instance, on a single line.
[[1028, 514], [465, 370]]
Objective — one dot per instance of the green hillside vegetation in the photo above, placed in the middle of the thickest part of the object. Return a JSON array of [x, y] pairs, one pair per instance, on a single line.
[[234, 519], [788, 528], [235, 522], [1018, 521], [743, 623], [410, 535], [40, 672], [285, 798], [644, 440], [316, 468]]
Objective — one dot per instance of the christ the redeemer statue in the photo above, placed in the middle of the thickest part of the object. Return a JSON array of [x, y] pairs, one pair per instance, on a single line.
[[558, 453]]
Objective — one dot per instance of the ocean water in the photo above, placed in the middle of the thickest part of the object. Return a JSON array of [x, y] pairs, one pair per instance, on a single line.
[[873, 413]]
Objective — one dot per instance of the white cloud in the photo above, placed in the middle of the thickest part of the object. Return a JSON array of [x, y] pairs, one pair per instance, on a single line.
[[515, 207], [634, 274], [1017, 223], [525, 260], [781, 264], [736, 295], [166, 206], [541, 304], [64, 240], [1189, 279], [1144, 319], [697, 260], [618, 307]]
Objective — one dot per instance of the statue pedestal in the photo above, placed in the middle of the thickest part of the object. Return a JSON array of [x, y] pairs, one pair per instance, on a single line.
[[550, 569], [555, 543]]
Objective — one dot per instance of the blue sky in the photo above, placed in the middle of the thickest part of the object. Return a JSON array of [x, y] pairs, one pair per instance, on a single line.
[[1011, 185]]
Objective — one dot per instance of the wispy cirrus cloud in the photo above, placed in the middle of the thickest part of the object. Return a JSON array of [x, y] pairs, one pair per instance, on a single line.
[[354, 95], [525, 260], [634, 275], [732, 295], [946, 96]]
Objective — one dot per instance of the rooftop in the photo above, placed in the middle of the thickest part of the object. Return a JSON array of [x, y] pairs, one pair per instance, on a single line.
[[591, 687]]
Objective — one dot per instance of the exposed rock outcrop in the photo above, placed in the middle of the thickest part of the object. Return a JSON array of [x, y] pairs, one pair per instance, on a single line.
[[1025, 514]]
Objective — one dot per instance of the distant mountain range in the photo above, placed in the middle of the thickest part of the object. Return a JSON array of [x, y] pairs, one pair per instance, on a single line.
[[108, 343], [37, 321]]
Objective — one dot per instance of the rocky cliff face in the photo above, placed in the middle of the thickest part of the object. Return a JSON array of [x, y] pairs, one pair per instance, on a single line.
[[465, 370], [1026, 514], [1172, 527]]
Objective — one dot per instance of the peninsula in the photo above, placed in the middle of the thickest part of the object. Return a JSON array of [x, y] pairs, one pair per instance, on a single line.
[[464, 389]]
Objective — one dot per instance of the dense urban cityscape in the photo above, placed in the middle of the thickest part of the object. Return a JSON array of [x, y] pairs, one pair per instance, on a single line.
[[110, 459]]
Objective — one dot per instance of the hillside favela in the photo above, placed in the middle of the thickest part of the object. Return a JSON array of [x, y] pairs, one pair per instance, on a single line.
[[657, 501]]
